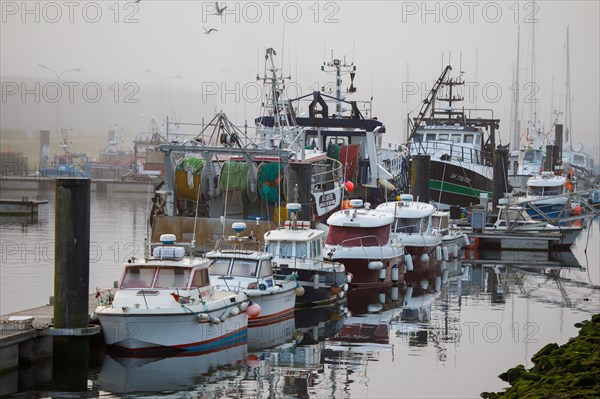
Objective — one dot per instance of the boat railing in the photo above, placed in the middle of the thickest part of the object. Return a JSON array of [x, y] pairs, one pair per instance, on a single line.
[[328, 175], [450, 150], [395, 165]]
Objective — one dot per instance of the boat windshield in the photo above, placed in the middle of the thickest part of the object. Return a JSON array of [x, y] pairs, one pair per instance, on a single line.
[[172, 277], [410, 225], [358, 236], [138, 277], [244, 267], [220, 267]]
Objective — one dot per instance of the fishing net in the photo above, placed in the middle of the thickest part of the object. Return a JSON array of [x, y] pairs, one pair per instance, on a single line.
[[270, 179]]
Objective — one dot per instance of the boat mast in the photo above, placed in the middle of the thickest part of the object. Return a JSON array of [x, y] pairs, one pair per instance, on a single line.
[[533, 135], [340, 67], [568, 138], [516, 92]]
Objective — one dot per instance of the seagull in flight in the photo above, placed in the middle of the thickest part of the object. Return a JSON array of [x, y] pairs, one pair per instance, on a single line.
[[208, 31], [218, 9]]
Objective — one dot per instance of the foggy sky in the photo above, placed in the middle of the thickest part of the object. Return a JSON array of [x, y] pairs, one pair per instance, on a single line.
[[395, 45]]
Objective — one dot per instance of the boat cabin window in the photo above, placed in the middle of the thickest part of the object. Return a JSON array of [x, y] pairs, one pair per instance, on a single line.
[[220, 267], [138, 277], [430, 137], [410, 225], [285, 249], [442, 136], [477, 139], [535, 191], [440, 222], [419, 138], [244, 268], [456, 138], [301, 250], [265, 268], [358, 236], [315, 249], [558, 190], [174, 277], [468, 138], [200, 278]]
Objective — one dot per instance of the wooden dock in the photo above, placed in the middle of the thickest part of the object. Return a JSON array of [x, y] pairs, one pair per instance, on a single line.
[[26, 336], [20, 207]]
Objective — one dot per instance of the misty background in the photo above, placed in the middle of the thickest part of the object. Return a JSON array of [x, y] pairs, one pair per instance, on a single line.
[[153, 58]]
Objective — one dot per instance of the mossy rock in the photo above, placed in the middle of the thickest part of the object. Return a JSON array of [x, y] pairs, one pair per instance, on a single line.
[[546, 350], [586, 379], [513, 374]]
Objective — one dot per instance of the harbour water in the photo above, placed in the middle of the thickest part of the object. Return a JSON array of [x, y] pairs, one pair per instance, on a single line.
[[446, 332]]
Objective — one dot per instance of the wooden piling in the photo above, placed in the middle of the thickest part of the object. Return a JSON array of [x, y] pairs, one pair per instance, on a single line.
[[419, 177], [72, 246], [501, 185]]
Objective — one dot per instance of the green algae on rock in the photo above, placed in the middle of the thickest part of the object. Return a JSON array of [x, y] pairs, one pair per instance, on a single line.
[[568, 371]]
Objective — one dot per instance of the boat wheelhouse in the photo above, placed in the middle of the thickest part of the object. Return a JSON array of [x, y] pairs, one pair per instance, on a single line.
[[237, 267], [171, 289], [361, 238], [297, 250]]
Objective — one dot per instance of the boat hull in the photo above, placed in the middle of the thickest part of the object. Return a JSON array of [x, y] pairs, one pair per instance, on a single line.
[[363, 276], [274, 307], [323, 288], [455, 184], [153, 334]]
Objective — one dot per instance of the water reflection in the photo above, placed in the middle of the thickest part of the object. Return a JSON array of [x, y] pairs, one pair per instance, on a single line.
[[200, 374]]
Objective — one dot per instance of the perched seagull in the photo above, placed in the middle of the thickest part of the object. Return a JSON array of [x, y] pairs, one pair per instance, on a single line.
[[208, 31], [218, 9]]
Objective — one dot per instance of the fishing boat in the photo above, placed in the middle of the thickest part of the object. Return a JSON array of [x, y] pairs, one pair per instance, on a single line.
[[343, 127], [297, 250], [361, 238], [547, 196], [413, 227], [248, 175], [514, 219], [240, 265], [459, 142], [165, 304]]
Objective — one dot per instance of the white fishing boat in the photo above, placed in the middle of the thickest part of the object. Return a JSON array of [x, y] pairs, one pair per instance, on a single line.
[[165, 304], [240, 265], [547, 196], [515, 220], [361, 238], [297, 250], [413, 226], [453, 238]]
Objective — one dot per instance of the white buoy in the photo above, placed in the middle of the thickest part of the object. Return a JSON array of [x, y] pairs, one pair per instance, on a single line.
[[382, 274], [215, 320], [408, 294], [425, 258], [345, 287], [374, 307], [438, 283], [395, 293], [438, 253], [316, 281], [375, 265], [466, 239], [445, 253], [424, 283], [444, 265], [409, 262], [445, 276], [234, 311], [341, 294], [349, 277], [243, 306], [395, 274], [382, 298], [455, 250], [202, 317]]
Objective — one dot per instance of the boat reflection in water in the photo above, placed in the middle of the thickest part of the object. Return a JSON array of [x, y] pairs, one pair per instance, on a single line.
[[200, 373], [268, 335], [297, 365]]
